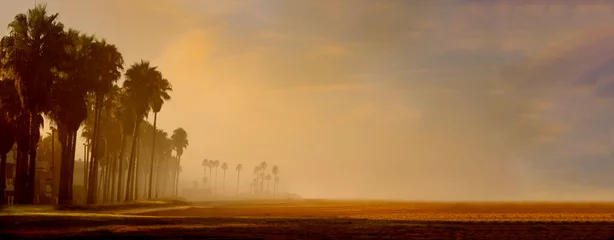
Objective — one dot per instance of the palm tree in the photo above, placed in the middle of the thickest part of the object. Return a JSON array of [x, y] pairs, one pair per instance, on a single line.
[[257, 179], [238, 168], [210, 165], [268, 180], [10, 108], [30, 53], [205, 164], [180, 143], [140, 79], [160, 94], [263, 166], [224, 168], [67, 103], [126, 112], [216, 164], [275, 171], [109, 64]]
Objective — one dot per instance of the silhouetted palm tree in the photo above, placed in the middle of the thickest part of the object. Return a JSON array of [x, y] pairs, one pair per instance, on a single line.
[[205, 164], [263, 166], [268, 180], [180, 143], [216, 164], [257, 179], [67, 103], [161, 87], [31, 52], [224, 168], [238, 168], [275, 171], [109, 66], [139, 84]]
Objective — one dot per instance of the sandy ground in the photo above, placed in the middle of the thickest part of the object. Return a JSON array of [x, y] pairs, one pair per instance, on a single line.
[[320, 219]]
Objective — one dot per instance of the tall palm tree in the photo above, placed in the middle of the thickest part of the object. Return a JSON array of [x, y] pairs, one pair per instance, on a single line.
[[160, 94], [268, 180], [67, 103], [180, 143], [257, 179], [224, 168], [275, 171], [10, 108], [109, 67], [263, 166], [30, 53], [126, 112], [238, 168], [139, 83], [205, 164], [216, 164]]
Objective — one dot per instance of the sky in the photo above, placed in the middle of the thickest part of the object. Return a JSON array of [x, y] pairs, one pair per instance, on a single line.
[[412, 100]]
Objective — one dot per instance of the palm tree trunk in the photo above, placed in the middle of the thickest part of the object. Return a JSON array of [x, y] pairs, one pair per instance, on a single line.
[[20, 175], [85, 164], [215, 180], [93, 175], [120, 180], [63, 197], [137, 170], [71, 161], [115, 178], [177, 176], [32, 162], [238, 176], [131, 163], [153, 150], [2, 177]]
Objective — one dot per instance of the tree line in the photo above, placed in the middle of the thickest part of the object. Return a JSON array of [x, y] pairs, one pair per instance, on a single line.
[[256, 185], [71, 78]]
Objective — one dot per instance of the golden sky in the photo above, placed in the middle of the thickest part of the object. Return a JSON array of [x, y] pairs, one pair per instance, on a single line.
[[435, 100]]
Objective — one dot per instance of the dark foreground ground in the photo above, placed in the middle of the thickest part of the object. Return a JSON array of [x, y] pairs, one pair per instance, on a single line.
[[322, 220]]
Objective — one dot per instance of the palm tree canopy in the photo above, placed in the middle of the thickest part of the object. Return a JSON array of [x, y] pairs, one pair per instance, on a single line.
[[239, 167], [31, 52], [72, 80], [108, 66], [205, 163], [224, 166], [139, 84], [160, 94], [275, 170], [180, 140]]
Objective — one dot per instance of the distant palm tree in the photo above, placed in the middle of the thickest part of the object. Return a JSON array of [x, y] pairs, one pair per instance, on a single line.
[[224, 168], [210, 165], [275, 172], [263, 166], [239, 168], [216, 164], [180, 142], [257, 179], [268, 180], [205, 164]]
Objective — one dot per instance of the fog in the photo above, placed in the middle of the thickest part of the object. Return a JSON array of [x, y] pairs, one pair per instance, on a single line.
[[445, 100]]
